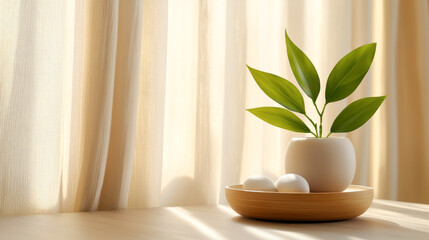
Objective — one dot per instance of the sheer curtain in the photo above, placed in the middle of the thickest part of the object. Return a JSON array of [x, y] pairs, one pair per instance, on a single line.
[[125, 104]]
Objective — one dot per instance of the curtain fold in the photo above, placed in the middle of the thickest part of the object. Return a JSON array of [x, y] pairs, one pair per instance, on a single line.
[[146, 178], [31, 104], [117, 177], [412, 100], [99, 58], [131, 104]]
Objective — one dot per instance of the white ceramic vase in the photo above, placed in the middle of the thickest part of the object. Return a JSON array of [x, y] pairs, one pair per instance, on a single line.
[[328, 164]]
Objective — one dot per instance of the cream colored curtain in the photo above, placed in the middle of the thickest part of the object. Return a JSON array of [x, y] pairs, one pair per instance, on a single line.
[[116, 104]]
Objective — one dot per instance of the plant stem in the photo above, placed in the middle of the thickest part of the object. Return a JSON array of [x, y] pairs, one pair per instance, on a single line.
[[319, 133], [313, 134], [321, 120], [324, 106], [328, 134], [317, 109], [314, 125]]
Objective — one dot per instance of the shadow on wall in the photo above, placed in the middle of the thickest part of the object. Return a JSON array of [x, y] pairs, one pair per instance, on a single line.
[[182, 191]]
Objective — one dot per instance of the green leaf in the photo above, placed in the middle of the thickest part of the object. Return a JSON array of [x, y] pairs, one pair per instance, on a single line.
[[304, 71], [280, 90], [281, 118], [356, 114], [348, 73]]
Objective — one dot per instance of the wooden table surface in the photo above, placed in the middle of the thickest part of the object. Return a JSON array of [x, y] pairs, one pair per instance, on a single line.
[[384, 220]]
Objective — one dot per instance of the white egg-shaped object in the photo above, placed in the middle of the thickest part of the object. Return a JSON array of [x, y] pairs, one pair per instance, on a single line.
[[259, 183], [292, 183]]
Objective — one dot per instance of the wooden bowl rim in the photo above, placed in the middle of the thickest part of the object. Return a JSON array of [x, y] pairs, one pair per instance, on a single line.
[[356, 188]]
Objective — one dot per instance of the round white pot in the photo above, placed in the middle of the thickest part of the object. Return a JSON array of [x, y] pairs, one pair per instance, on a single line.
[[328, 164]]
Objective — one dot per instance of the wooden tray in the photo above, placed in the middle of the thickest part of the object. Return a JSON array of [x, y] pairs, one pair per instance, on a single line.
[[300, 207]]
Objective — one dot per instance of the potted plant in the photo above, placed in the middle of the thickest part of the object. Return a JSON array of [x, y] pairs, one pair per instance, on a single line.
[[327, 163]]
